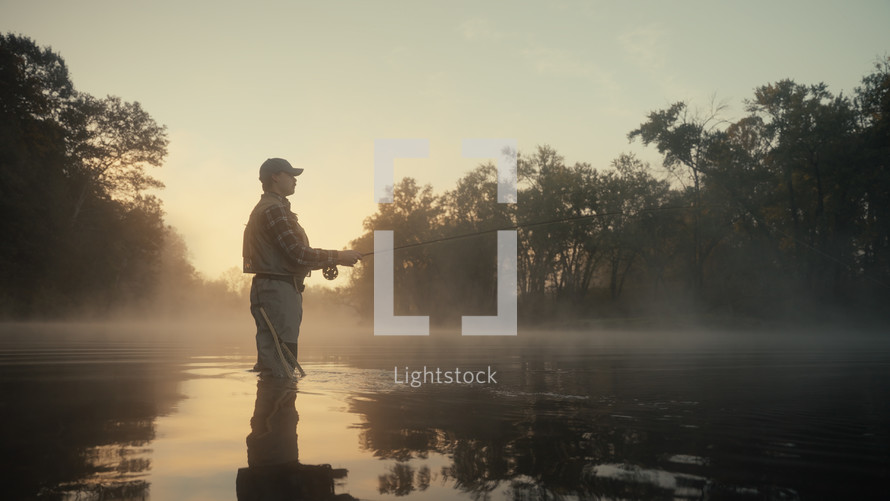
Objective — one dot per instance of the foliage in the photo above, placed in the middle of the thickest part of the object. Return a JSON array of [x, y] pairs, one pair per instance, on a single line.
[[782, 212], [785, 211], [79, 224]]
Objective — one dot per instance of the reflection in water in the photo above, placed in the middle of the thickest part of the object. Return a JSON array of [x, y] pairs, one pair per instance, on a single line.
[[274, 471], [402, 480], [740, 426], [563, 422], [78, 423], [273, 427]]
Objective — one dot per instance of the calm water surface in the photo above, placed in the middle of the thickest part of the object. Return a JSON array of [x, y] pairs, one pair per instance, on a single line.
[[588, 417]]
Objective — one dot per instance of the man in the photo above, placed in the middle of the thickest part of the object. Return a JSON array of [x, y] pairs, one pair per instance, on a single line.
[[276, 250]]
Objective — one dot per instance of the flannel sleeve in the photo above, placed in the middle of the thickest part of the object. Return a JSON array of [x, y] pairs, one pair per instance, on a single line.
[[279, 223]]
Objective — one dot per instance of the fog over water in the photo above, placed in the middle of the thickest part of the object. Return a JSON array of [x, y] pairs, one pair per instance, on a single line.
[[694, 238], [164, 412]]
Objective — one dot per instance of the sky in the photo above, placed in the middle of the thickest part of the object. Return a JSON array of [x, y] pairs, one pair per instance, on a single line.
[[317, 82]]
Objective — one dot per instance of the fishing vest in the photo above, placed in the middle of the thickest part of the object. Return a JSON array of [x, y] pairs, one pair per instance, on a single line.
[[261, 251]]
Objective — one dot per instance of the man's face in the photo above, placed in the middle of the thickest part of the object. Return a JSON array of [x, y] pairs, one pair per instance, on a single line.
[[285, 183]]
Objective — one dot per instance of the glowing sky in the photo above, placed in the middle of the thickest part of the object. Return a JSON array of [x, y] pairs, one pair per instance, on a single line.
[[317, 82]]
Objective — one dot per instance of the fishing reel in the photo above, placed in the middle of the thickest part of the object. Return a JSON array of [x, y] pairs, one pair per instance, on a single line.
[[330, 272]]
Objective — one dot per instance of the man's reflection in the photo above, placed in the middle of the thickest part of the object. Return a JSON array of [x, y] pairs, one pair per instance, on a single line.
[[273, 427], [273, 469]]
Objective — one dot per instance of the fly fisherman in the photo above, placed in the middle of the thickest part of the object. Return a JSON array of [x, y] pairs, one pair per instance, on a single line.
[[276, 250]]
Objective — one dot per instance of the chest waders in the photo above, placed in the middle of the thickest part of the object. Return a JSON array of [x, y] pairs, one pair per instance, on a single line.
[[282, 350]]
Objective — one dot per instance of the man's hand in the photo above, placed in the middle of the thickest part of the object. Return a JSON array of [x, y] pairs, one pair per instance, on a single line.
[[348, 257]]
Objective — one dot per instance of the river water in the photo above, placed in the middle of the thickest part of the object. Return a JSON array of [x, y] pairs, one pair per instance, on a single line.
[[619, 415]]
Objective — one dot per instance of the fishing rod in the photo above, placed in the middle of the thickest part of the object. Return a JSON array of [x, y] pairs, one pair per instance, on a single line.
[[331, 272]]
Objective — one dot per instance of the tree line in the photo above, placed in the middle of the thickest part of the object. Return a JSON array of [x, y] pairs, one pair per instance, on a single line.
[[784, 213], [82, 231]]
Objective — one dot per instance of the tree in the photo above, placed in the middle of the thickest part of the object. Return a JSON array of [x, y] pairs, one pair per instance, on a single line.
[[34, 84], [558, 246], [110, 143], [814, 158], [873, 106], [469, 265], [414, 218], [629, 199], [79, 225], [35, 80], [684, 140]]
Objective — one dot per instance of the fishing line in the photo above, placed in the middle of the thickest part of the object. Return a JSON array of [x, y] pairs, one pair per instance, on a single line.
[[331, 272], [530, 225]]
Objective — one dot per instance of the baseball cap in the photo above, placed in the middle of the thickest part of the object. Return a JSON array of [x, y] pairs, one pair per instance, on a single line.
[[273, 165]]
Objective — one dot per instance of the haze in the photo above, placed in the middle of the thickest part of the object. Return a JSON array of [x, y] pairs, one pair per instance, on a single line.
[[317, 83]]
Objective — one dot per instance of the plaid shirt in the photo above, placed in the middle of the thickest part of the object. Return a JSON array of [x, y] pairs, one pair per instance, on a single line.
[[283, 225]]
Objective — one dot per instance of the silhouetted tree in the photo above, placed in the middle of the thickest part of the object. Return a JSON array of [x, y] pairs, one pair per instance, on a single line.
[[873, 230], [684, 139], [782, 211], [79, 228], [413, 217]]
